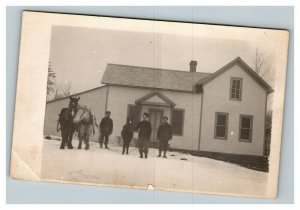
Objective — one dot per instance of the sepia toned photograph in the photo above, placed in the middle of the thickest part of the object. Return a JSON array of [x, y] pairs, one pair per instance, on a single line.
[[157, 105]]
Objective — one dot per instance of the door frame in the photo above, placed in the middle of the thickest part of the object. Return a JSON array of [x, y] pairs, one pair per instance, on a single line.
[[155, 110]]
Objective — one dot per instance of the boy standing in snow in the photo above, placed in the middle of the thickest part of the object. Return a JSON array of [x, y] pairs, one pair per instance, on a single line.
[[164, 135], [127, 134], [144, 128]]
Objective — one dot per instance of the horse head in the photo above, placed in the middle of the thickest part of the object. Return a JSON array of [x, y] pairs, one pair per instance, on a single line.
[[73, 105], [83, 114]]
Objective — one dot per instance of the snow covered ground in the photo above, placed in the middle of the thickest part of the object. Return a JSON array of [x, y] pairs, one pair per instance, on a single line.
[[180, 172]]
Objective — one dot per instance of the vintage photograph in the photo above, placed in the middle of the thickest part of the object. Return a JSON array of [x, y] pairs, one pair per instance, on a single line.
[[181, 107]]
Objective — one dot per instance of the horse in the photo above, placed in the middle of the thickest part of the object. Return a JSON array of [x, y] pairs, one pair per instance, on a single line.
[[65, 123], [85, 121]]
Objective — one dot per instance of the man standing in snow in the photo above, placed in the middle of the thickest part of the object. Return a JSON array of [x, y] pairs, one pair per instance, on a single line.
[[164, 135], [144, 128], [106, 128]]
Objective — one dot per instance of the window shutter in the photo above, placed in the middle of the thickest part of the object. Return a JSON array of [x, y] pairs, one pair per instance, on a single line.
[[134, 114], [177, 121]]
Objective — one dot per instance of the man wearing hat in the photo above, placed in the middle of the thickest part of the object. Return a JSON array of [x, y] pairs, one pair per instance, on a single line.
[[164, 135]]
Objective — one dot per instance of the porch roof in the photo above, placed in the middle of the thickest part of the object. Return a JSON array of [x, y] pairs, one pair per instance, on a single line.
[[162, 100]]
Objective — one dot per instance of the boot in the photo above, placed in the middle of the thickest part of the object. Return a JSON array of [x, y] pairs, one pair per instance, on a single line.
[[87, 146], [126, 151], [141, 155], [159, 154], [146, 155], [70, 146], [165, 156], [106, 147], [62, 145], [123, 151]]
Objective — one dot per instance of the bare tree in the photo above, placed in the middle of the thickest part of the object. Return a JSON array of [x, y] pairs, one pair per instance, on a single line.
[[56, 93], [268, 131], [66, 89], [50, 80], [62, 90], [258, 61]]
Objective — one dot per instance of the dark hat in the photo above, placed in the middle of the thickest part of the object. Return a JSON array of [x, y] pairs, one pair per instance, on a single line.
[[107, 112], [146, 114], [165, 117]]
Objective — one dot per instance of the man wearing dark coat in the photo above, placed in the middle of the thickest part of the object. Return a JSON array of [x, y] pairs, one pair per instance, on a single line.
[[164, 135], [127, 134], [106, 128], [144, 128]]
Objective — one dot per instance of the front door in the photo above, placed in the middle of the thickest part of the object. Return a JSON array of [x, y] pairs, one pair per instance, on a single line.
[[155, 120]]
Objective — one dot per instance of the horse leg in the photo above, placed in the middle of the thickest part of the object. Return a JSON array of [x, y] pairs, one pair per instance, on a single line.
[[80, 141], [70, 136], [87, 142], [70, 146], [63, 138], [79, 137], [89, 130]]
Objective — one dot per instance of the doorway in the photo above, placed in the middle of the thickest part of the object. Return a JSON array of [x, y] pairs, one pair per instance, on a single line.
[[155, 120]]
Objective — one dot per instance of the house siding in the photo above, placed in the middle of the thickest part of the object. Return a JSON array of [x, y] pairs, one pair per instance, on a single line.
[[216, 98], [94, 99], [119, 98]]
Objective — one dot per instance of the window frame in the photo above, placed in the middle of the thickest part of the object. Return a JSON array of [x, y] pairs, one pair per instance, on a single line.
[[171, 121], [251, 128], [241, 88], [226, 128]]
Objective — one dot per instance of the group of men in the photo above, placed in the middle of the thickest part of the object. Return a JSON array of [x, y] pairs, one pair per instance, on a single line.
[[164, 134]]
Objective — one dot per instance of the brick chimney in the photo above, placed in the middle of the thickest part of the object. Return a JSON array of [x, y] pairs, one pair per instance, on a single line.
[[193, 66]]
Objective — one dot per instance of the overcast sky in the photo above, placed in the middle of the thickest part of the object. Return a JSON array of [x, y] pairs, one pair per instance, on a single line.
[[80, 55]]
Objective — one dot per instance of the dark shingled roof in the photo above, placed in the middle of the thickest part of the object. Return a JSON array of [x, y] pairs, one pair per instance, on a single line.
[[135, 76]]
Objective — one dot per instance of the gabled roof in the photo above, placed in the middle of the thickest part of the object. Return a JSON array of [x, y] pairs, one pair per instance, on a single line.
[[245, 67], [145, 77], [165, 100]]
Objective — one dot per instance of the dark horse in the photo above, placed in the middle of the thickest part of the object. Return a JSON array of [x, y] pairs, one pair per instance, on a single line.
[[85, 121], [65, 123]]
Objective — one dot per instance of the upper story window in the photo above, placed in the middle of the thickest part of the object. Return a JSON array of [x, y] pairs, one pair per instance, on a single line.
[[236, 88]]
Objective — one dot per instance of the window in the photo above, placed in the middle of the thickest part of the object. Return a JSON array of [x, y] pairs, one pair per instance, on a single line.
[[177, 121], [246, 128], [236, 88], [134, 114], [221, 125]]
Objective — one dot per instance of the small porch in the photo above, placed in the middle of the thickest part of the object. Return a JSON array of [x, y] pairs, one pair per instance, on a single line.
[[157, 105]]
